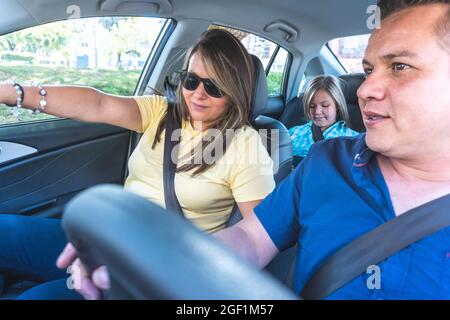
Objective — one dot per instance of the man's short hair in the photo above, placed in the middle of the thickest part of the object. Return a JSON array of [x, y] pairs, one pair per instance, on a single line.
[[442, 27]]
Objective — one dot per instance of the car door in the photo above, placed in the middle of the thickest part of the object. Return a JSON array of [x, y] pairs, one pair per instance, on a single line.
[[44, 160]]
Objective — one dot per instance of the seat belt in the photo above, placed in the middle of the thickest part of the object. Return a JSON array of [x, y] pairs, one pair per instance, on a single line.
[[317, 133], [376, 246], [169, 166]]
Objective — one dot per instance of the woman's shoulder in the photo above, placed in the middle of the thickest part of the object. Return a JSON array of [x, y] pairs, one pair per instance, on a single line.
[[151, 100], [152, 108]]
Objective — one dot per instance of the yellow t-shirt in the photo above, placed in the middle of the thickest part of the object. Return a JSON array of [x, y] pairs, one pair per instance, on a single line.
[[244, 173]]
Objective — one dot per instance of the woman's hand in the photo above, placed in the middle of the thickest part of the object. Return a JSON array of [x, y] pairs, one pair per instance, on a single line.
[[88, 286]]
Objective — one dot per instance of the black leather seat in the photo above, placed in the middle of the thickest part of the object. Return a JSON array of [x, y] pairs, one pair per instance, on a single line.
[[280, 149], [278, 140], [274, 134], [351, 85], [293, 114]]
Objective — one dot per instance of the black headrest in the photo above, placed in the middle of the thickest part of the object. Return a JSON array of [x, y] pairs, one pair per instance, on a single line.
[[260, 91], [352, 83]]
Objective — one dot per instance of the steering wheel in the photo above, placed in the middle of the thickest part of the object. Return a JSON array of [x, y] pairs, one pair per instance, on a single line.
[[154, 254]]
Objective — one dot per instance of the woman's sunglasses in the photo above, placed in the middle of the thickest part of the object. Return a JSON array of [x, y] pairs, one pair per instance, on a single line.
[[191, 82]]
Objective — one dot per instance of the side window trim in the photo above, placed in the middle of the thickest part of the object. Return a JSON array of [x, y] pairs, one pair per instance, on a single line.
[[272, 59], [286, 72], [337, 59]]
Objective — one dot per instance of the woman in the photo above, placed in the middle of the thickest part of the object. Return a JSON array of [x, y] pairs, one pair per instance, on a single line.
[[325, 106], [214, 97]]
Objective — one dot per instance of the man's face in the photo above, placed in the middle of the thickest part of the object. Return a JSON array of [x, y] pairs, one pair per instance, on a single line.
[[405, 100]]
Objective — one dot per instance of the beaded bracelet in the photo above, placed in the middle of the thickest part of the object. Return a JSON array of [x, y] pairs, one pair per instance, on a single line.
[[20, 94], [43, 103]]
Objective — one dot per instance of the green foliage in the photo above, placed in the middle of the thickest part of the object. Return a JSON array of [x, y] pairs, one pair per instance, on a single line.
[[17, 57], [44, 39], [10, 41], [274, 83], [123, 38]]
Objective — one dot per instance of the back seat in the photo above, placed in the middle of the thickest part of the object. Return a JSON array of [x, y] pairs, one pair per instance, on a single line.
[[293, 114], [352, 83]]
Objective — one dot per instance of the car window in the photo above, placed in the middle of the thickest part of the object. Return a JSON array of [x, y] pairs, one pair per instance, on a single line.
[[276, 72], [272, 56], [303, 83], [350, 51], [106, 53]]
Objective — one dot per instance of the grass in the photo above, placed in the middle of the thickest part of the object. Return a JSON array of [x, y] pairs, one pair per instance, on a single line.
[[114, 82]]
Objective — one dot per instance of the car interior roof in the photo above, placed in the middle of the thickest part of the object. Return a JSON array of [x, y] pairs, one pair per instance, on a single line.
[[316, 21]]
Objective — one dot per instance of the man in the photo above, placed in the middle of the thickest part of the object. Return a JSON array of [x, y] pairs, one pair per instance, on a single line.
[[349, 186]]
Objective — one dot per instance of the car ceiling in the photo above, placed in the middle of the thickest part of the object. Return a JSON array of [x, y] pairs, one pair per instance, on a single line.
[[316, 21]]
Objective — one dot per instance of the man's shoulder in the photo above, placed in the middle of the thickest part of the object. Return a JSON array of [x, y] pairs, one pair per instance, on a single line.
[[334, 154], [345, 146]]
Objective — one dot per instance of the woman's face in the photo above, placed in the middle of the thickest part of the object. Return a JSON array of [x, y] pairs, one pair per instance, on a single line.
[[203, 108], [323, 110]]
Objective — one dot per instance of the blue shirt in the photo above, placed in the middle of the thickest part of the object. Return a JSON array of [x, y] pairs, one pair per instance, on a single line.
[[337, 194], [302, 136]]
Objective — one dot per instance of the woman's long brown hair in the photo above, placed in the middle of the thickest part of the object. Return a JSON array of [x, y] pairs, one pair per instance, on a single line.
[[230, 66]]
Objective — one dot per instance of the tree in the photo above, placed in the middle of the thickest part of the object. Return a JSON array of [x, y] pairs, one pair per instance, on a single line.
[[12, 41], [110, 22], [124, 38], [42, 39], [47, 39]]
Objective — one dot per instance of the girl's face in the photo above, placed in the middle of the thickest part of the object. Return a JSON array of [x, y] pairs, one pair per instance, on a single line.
[[203, 107], [322, 109]]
